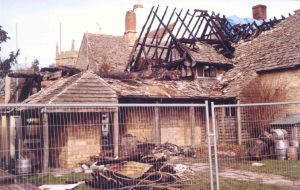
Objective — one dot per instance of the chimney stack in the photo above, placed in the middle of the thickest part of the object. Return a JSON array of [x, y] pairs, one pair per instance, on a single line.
[[259, 12], [130, 27]]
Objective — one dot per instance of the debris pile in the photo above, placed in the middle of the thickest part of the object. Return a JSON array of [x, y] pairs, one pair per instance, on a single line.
[[148, 167]]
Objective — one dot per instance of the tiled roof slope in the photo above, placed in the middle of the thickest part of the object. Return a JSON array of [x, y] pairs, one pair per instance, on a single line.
[[151, 88], [103, 53], [205, 53], [273, 49], [85, 87]]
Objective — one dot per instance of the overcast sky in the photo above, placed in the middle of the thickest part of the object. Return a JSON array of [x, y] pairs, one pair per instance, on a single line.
[[38, 20]]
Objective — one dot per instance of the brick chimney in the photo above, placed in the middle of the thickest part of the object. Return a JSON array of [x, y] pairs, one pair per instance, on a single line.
[[259, 12], [130, 27]]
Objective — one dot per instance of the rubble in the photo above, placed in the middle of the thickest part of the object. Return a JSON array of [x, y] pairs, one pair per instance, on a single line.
[[147, 167]]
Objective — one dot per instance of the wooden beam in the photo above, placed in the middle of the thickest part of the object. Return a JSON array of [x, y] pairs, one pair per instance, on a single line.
[[239, 124], [193, 123], [46, 142], [15, 124], [7, 123], [188, 25], [116, 133], [19, 136], [131, 57], [158, 27], [146, 34], [157, 128], [167, 41]]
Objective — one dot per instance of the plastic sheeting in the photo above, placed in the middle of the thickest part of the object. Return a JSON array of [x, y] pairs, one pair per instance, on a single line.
[[233, 20]]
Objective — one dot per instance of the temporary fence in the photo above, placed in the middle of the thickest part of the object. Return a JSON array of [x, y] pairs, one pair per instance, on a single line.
[[258, 145], [107, 146], [150, 146]]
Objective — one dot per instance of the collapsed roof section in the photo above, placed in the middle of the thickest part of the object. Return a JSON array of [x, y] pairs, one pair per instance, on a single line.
[[170, 40]]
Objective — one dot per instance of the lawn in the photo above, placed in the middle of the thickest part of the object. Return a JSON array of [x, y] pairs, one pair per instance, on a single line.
[[287, 168], [198, 181]]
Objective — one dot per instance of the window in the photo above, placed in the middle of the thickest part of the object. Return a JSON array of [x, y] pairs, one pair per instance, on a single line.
[[200, 71], [206, 71], [230, 111], [209, 71]]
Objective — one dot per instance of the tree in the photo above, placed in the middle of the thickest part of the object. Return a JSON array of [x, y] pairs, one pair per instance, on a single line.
[[6, 64], [35, 65]]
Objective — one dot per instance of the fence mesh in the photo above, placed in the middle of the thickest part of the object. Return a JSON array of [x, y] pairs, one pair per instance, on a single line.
[[104, 147], [258, 145]]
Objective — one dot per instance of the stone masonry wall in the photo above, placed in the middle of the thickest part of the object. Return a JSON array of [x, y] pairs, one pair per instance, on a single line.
[[73, 138], [280, 86], [175, 125]]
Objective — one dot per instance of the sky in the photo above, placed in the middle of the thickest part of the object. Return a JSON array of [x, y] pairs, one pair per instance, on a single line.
[[38, 21]]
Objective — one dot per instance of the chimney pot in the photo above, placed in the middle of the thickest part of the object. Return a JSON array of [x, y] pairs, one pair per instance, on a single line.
[[259, 12]]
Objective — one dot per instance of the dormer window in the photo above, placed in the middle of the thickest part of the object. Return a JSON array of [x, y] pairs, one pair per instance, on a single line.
[[206, 71]]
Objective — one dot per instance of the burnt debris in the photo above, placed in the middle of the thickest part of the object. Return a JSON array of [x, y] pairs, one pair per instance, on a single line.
[[168, 43]]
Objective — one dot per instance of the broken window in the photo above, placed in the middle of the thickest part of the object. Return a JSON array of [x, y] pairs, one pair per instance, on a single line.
[[206, 71]]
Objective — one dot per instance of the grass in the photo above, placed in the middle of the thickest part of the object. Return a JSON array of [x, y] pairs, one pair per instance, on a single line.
[[287, 168], [202, 183], [51, 180], [199, 181]]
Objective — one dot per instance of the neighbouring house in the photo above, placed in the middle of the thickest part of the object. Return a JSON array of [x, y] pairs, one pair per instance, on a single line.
[[186, 63]]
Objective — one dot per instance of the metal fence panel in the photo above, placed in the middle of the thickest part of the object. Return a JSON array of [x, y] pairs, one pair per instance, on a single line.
[[257, 145], [124, 146]]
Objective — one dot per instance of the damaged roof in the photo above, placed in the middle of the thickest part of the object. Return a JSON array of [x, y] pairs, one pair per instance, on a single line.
[[103, 53], [275, 49], [88, 87], [84, 87], [205, 53], [165, 89]]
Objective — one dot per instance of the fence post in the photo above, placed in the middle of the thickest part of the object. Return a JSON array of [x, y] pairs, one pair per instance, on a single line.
[[209, 146], [46, 142], [192, 122], [215, 143], [239, 123], [116, 133], [157, 126]]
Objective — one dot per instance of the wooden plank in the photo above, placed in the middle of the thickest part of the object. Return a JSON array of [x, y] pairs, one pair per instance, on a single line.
[[157, 126], [116, 133], [7, 141], [80, 110], [192, 122], [46, 143]]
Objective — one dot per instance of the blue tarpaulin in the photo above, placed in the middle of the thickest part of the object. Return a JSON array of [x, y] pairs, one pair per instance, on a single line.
[[233, 20]]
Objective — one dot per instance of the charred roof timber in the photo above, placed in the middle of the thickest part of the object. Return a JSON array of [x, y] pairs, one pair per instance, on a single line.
[[165, 42]]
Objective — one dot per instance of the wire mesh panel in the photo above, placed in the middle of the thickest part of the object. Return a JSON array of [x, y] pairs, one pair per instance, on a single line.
[[258, 145], [124, 146]]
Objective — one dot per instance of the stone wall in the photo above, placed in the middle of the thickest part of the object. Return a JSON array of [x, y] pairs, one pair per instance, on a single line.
[[73, 138], [279, 86], [174, 123]]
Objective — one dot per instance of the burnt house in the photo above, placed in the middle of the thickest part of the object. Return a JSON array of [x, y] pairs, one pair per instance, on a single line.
[[188, 57]]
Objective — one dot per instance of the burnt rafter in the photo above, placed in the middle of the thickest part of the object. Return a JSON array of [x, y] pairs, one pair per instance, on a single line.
[[172, 32]]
